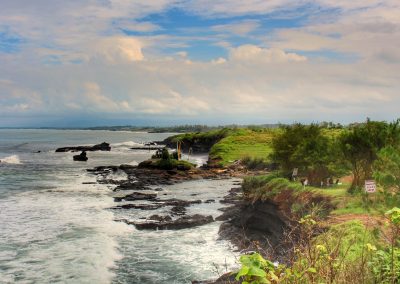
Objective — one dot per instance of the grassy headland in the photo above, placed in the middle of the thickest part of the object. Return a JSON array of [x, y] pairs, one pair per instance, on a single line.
[[341, 236]]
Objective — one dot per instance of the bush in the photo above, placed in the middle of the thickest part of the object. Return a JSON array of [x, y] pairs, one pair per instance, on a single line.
[[251, 183], [165, 154], [255, 163], [171, 164]]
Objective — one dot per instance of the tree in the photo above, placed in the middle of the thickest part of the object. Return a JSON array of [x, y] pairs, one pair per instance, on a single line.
[[387, 174], [306, 148], [360, 146]]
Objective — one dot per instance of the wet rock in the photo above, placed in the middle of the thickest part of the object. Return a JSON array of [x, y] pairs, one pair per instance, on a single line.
[[147, 148], [160, 218], [180, 223], [131, 186], [127, 167], [249, 223], [136, 196], [99, 147], [138, 206], [103, 169], [81, 157], [233, 196], [178, 202], [178, 210]]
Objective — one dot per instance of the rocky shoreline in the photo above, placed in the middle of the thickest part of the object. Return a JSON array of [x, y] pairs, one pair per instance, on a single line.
[[142, 189], [248, 226]]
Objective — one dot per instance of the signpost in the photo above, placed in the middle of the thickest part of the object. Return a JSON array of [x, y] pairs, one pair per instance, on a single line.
[[370, 186]]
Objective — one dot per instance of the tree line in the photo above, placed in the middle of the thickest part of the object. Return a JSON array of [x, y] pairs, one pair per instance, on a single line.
[[366, 150]]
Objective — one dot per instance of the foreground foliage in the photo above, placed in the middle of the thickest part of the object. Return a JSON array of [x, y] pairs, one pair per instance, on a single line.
[[346, 253]]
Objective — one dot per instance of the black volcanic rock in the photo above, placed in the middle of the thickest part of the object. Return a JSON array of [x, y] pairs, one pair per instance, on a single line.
[[136, 196], [99, 147], [81, 157], [181, 223]]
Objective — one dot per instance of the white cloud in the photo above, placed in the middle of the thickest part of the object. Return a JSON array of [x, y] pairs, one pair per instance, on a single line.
[[173, 103], [251, 53], [269, 79], [237, 7], [95, 100], [117, 49]]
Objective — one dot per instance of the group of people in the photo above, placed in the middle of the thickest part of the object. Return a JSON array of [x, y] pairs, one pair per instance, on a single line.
[[329, 181]]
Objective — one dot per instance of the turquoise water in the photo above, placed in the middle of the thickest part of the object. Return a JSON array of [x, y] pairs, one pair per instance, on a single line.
[[55, 229]]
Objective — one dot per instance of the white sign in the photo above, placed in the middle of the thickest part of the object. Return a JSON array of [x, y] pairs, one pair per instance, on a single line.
[[370, 186]]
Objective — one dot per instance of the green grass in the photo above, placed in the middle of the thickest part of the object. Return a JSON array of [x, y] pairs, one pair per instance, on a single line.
[[209, 136], [167, 164], [242, 143], [265, 186]]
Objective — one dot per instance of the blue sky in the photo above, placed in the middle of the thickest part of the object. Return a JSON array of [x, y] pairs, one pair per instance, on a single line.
[[99, 62]]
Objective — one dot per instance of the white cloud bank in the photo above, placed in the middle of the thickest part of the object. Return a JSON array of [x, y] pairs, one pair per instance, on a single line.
[[76, 61]]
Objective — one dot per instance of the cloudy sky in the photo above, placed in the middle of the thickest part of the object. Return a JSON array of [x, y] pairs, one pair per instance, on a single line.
[[98, 62]]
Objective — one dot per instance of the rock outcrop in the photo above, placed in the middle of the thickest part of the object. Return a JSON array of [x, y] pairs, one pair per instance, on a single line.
[[81, 157], [99, 147], [156, 222]]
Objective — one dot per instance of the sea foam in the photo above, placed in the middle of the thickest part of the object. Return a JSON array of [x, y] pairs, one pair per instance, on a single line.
[[13, 159]]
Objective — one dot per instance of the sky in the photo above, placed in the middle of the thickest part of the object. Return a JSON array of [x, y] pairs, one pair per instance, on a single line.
[[166, 62]]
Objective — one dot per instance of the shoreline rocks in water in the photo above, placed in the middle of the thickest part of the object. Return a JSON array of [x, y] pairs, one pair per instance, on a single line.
[[157, 222], [136, 196], [98, 147], [81, 157]]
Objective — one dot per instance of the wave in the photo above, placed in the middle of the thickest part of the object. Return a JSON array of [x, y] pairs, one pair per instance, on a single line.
[[128, 144], [13, 159]]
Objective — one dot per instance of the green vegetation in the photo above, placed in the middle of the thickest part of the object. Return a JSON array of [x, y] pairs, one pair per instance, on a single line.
[[255, 163], [313, 150], [245, 144], [360, 146], [209, 137], [267, 188], [346, 253], [163, 160]]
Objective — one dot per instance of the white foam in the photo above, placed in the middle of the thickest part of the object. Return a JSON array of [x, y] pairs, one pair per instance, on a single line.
[[67, 236], [128, 144], [133, 163], [13, 159]]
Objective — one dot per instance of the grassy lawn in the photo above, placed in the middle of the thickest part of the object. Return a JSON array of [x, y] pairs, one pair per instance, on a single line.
[[352, 204], [243, 143], [344, 202]]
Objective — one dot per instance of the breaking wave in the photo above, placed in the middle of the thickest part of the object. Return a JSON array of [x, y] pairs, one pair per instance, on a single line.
[[13, 159]]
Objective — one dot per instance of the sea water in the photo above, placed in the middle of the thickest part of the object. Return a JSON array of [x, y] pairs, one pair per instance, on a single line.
[[57, 228]]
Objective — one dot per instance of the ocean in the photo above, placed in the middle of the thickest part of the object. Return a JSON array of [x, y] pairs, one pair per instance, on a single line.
[[57, 228]]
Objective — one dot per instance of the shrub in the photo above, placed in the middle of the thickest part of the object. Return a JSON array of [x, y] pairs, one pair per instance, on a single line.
[[255, 163], [346, 253]]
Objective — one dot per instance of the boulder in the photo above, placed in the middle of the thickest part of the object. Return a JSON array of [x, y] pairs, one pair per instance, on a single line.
[[81, 157]]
